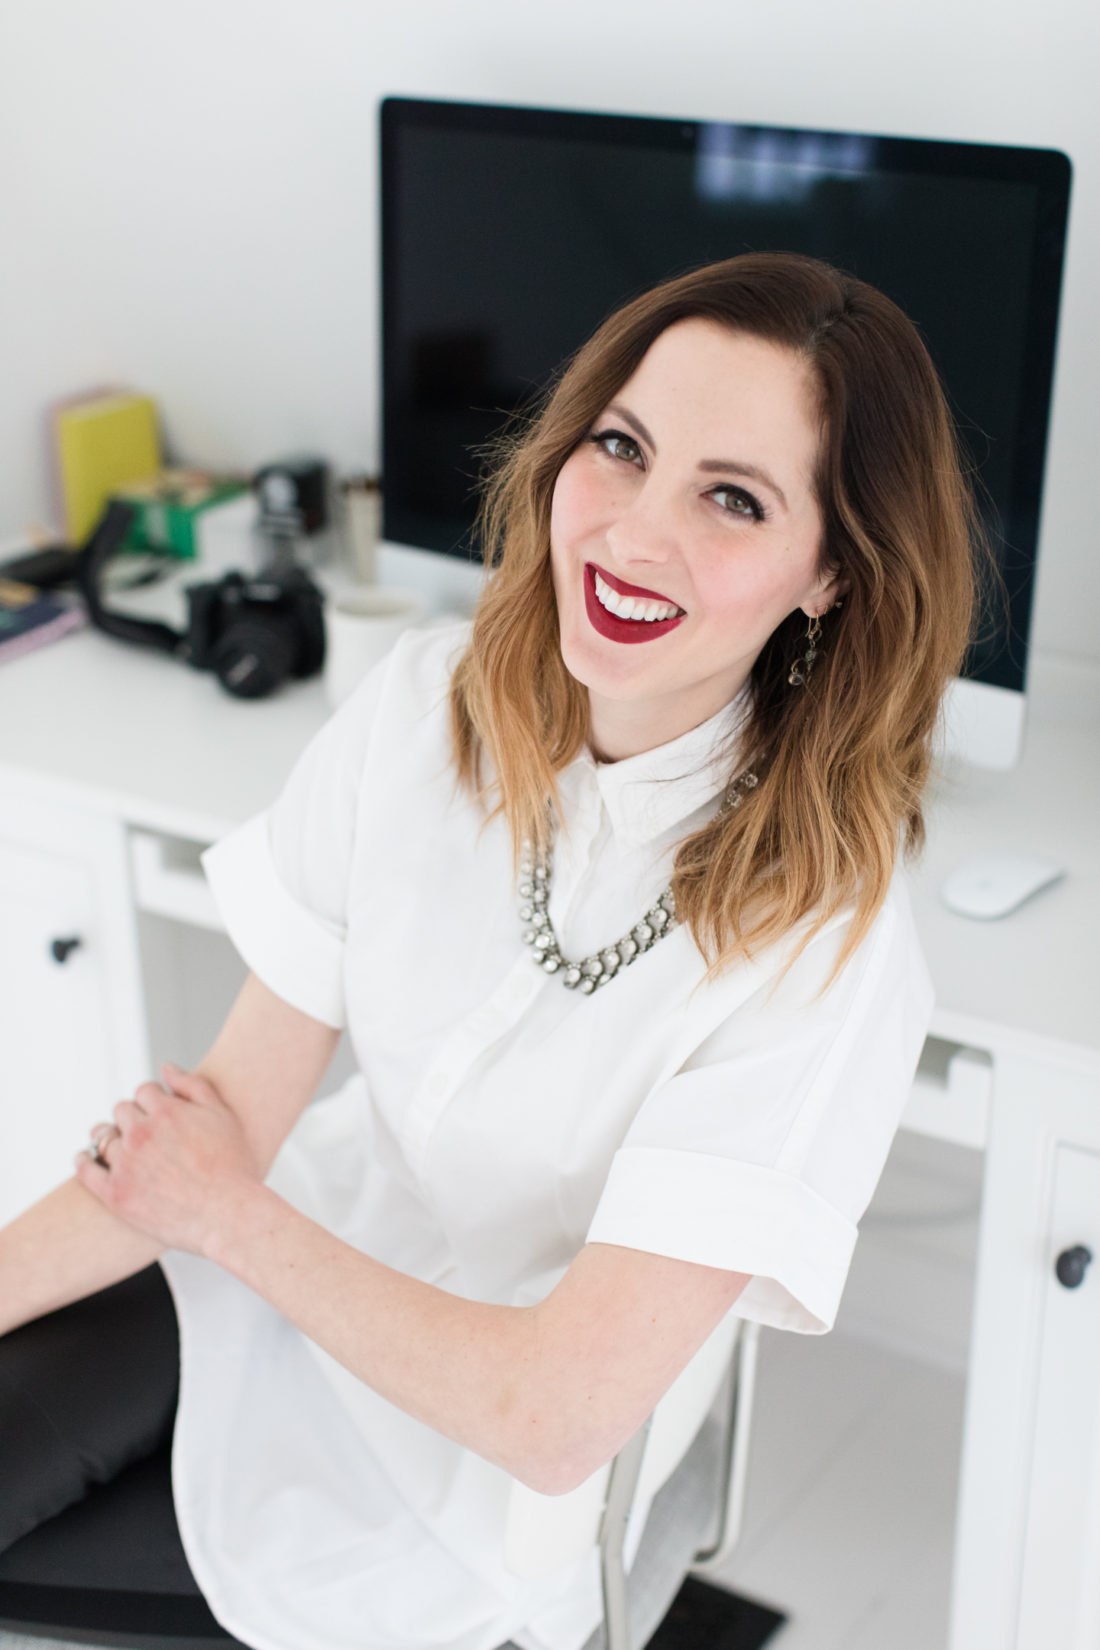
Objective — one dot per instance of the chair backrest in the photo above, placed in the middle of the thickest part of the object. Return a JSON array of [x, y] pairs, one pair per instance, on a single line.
[[545, 1531]]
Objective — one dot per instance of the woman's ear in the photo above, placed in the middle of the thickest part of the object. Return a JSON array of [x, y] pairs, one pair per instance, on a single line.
[[832, 589]]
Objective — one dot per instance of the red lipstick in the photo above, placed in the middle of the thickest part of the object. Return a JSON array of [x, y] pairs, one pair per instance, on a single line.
[[623, 630]]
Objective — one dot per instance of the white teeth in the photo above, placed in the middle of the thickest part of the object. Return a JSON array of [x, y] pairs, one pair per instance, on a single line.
[[633, 607]]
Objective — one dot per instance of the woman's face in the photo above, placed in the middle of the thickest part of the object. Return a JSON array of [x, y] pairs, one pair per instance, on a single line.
[[693, 493]]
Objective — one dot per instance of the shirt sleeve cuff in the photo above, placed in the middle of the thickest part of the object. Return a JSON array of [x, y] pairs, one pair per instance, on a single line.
[[296, 953], [738, 1216]]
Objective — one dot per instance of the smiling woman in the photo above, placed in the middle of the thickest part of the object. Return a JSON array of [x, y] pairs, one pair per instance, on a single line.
[[601, 887], [761, 442]]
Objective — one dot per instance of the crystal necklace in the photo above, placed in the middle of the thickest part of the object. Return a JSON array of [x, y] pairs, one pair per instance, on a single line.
[[601, 966]]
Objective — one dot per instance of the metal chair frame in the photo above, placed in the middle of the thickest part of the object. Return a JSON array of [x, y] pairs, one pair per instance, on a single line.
[[623, 1482]]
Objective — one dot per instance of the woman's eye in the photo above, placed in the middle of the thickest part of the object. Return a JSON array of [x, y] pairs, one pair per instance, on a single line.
[[736, 502], [618, 445]]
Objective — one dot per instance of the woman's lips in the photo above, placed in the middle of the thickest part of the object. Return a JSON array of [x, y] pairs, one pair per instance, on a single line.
[[623, 630]]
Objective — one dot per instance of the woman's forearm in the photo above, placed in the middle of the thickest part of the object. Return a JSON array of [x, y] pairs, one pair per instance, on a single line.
[[548, 1392], [459, 1366], [65, 1246]]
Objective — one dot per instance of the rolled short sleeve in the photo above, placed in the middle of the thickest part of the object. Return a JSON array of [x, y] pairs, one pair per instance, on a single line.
[[761, 1154], [281, 881]]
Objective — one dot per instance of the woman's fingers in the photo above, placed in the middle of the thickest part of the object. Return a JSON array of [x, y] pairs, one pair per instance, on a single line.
[[147, 1096], [188, 1084], [129, 1112], [126, 1114], [101, 1137]]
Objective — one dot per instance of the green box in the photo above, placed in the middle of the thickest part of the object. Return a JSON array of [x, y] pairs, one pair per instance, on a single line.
[[168, 504]]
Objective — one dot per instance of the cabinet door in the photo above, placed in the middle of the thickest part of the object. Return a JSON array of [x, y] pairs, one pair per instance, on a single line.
[[71, 1016], [1060, 1584], [1027, 1534]]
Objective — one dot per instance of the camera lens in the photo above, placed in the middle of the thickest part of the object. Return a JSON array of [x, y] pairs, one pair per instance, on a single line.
[[254, 656]]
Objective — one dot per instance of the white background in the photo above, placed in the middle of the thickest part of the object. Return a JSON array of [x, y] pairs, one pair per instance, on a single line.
[[188, 198]]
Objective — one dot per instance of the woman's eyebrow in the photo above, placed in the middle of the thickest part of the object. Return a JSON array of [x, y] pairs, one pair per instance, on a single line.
[[711, 466], [635, 424]]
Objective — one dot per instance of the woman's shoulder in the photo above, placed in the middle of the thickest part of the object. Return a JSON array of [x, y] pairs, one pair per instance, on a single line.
[[888, 959], [822, 955]]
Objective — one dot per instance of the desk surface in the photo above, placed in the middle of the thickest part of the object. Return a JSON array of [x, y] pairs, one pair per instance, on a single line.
[[100, 724]]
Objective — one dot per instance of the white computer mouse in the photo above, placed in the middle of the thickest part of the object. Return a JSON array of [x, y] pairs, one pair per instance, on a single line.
[[993, 885]]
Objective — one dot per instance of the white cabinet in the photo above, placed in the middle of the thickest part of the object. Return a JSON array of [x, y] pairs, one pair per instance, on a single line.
[[1060, 1580], [1028, 1535], [71, 1011]]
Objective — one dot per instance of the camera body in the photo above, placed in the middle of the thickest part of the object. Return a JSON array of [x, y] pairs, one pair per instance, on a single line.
[[255, 632], [251, 632]]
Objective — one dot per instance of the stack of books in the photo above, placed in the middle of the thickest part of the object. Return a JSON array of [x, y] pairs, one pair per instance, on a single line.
[[29, 618]]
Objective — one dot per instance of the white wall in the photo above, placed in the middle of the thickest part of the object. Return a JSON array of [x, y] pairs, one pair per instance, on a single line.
[[187, 190]]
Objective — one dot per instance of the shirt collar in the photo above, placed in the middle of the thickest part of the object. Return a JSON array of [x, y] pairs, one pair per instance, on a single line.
[[647, 794]]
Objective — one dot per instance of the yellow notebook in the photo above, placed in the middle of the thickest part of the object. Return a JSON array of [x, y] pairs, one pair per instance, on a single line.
[[102, 444]]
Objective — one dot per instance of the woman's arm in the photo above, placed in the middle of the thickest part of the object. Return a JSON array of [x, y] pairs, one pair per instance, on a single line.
[[267, 1062], [62, 1248], [548, 1392]]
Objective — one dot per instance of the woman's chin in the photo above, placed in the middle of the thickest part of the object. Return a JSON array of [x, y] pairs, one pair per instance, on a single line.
[[606, 677], [602, 664]]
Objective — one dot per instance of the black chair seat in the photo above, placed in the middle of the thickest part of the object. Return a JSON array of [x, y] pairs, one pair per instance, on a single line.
[[124, 1579]]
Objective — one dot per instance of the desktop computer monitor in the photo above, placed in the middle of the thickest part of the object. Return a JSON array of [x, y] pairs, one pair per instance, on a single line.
[[509, 234]]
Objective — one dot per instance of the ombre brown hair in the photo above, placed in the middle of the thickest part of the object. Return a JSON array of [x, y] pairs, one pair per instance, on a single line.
[[842, 762]]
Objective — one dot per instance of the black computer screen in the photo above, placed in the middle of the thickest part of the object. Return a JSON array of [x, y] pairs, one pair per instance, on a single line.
[[508, 235]]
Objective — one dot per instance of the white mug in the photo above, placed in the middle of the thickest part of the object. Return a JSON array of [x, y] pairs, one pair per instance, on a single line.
[[361, 626]]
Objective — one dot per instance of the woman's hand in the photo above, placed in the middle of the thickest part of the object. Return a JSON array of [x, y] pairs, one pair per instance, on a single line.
[[177, 1163]]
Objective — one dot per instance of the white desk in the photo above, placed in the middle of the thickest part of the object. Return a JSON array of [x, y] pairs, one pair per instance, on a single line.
[[128, 762]]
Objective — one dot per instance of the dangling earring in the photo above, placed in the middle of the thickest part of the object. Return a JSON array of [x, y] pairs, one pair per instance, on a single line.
[[801, 668]]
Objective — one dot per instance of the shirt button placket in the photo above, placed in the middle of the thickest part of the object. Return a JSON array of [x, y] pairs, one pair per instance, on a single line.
[[477, 1032], [425, 1110]]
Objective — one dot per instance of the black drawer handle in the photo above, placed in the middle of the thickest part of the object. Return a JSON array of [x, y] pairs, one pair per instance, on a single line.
[[1072, 1264], [59, 949]]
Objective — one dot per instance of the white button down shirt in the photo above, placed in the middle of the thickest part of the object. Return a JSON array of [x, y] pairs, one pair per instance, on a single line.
[[501, 1121]]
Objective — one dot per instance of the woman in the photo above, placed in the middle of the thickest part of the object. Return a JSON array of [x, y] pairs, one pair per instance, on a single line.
[[687, 735]]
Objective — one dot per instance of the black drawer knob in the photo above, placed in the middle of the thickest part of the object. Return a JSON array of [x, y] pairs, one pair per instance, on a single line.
[[60, 949], [1072, 1264]]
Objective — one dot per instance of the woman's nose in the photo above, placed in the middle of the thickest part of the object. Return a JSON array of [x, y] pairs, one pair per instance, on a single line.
[[646, 531]]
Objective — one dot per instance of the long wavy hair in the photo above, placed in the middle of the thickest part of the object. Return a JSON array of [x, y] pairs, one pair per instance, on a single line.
[[842, 761]]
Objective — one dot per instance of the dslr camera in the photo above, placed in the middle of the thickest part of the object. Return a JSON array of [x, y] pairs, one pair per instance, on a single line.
[[252, 632], [255, 632]]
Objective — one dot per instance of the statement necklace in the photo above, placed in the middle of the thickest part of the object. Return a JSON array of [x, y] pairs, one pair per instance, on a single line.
[[601, 966]]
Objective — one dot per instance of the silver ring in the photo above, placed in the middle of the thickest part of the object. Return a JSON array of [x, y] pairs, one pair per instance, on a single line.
[[100, 1138]]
